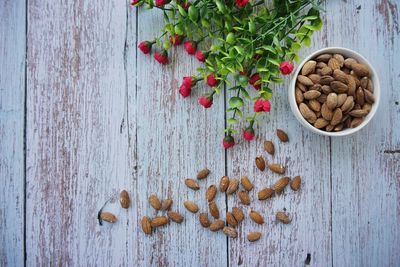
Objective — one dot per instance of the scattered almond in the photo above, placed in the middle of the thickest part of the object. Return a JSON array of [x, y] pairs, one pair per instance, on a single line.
[[217, 225], [175, 216], [265, 193], [260, 163], [238, 214], [204, 220], [230, 219], [155, 202], [191, 206], [214, 209], [124, 199], [246, 183], [211, 193], [203, 174], [256, 217], [277, 168], [166, 204], [295, 183], [230, 231], [254, 236], [108, 217], [244, 198], [269, 147], [282, 135], [159, 221], [192, 184], [282, 217], [233, 186], [146, 225], [281, 184]]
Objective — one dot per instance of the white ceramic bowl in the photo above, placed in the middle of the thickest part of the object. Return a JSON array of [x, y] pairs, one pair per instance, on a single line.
[[346, 53]]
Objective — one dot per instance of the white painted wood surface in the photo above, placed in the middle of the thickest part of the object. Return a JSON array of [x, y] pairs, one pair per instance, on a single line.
[[101, 117], [12, 97]]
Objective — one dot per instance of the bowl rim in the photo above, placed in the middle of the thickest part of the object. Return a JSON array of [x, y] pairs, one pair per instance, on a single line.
[[346, 52]]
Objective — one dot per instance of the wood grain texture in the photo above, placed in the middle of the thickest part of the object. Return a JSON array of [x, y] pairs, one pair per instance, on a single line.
[[12, 94], [366, 165], [77, 155], [175, 138], [307, 155]]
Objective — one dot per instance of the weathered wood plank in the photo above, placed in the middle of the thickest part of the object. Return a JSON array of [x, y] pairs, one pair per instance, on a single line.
[[175, 138], [77, 152], [307, 155], [365, 172], [12, 94]]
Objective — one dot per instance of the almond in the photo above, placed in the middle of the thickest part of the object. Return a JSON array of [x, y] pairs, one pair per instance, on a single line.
[[308, 67], [348, 104], [224, 183], [364, 82], [321, 65], [329, 128], [324, 57], [282, 135], [124, 199], [334, 64], [367, 107], [233, 186], [281, 184], [369, 97], [175, 216], [254, 236], [361, 70], [230, 219], [341, 98], [217, 225], [166, 204], [304, 80], [244, 198], [295, 183], [146, 225], [213, 209], [299, 95], [339, 58], [192, 184], [282, 217], [337, 117], [370, 86], [155, 202], [265, 193], [203, 174], [320, 123], [277, 168], [159, 221], [230, 231], [326, 112], [307, 113], [360, 96], [269, 147], [315, 78], [238, 214], [302, 87], [314, 105], [339, 87], [325, 71], [348, 62], [204, 220], [191, 206], [358, 113], [211, 193], [326, 89], [322, 98], [351, 83], [331, 101], [326, 80], [312, 94], [356, 122], [108, 217], [260, 163], [338, 127], [246, 183], [256, 217]]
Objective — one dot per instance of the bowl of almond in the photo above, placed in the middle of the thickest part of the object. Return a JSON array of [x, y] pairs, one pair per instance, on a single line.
[[334, 92]]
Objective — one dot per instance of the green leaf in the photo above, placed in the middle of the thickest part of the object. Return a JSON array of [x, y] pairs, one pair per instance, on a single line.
[[273, 61], [232, 121], [245, 93], [236, 102], [269, 48], [307, 41], [239, 49], [182, 11], [239, 112], [178, 29], [193, 13], [309, 18]]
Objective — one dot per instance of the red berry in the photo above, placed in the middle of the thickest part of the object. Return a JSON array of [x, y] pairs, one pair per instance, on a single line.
[[248, 133], [145, 47], [206, 101], [241, 3], [190, 47], [161, 57], [161, 3], [188, 81], [176, 40], [185, 90], [254, 79], [228, 142], [211, 80], [200, 56], [286, 67], [262, 105]]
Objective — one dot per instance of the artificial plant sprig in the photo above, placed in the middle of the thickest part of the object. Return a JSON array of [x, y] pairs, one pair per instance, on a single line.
[[249, 44]]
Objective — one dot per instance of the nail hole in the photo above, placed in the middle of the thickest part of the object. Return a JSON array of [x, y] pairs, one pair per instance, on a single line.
[[240, 262], [308, 259], [396, 102]]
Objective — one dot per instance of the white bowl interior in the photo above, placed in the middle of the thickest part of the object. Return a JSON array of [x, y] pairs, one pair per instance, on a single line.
[[346, 53]]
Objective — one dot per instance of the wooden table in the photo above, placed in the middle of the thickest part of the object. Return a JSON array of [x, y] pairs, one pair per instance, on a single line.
[[84, 115]]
